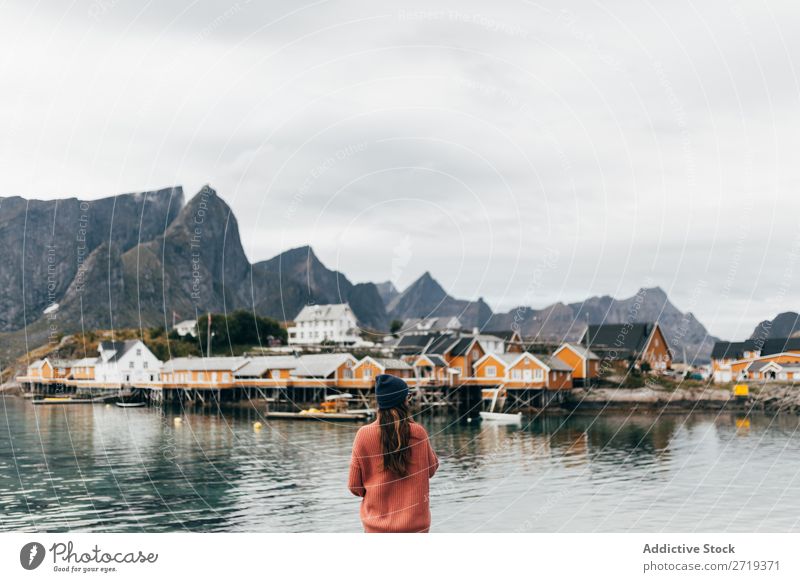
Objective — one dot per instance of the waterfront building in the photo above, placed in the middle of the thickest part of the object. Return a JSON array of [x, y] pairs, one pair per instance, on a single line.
[[631, 344], [331, 368], [83, 369], [491, 343], [730, 359], [512, 340], [370, 367], [781, 367], [431, 369], [460, 355], [523, 371], [49, 369], [325, 324], [201, 372], [126, 362], [583, 362], [267, 368]]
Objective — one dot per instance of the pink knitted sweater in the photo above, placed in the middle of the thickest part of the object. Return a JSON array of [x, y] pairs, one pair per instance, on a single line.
[[391, 503]]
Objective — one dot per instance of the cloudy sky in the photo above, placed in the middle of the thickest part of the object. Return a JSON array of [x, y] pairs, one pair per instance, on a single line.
[[525, 153]]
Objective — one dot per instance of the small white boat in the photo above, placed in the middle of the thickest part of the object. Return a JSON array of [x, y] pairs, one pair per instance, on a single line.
[[130, 404], [501, 417]]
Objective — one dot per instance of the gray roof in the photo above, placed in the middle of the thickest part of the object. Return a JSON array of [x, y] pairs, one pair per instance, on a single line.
[[392, 363], [583, 351], [436, 360], [258, 366], [84, 362], [319, 365], [431, 323], [508, 359], [191, 364], [121, 348], [60, 363], [756, 366], [554, 363], [323, 312]]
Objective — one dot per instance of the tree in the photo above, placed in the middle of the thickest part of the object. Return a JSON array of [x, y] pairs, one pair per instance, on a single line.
[[239, 328], [395, 326], [646, 367]]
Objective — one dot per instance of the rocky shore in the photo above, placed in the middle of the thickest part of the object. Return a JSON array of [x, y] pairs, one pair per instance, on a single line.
[[649, 397], [771, 398]]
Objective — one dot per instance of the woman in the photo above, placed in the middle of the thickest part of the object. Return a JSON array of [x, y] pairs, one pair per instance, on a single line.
[[391, 465]]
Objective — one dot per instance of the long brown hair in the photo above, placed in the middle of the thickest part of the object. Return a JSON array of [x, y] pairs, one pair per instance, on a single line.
[[395, 438]]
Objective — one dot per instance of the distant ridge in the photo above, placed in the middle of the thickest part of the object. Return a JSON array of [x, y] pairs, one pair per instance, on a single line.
[[134, 260]]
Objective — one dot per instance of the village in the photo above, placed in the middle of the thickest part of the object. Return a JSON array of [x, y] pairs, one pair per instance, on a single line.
[[444, 365]]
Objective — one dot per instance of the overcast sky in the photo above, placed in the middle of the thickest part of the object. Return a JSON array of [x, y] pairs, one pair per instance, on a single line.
[[527, 154]]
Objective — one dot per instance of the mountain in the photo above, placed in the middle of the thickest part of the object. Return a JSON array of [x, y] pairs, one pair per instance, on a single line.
[[560, 322], [46, 243], [783, 325], [387, 291], [426, 298], [297, 277], [135, 259]]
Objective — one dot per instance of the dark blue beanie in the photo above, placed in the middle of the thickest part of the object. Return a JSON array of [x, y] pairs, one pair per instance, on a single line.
[[390, 391]]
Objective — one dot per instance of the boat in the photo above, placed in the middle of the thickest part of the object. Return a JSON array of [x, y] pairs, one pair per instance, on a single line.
[[63, 400], [335, 407], [500, 417], [319, 415], [130, 404]]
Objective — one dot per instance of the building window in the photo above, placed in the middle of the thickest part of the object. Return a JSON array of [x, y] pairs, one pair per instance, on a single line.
[[225, 376], [138, 351], [348, 374], [475, 354], [491, 371], [368, 373], [538, 375], [145, 365], [130, 365], [275, 374]]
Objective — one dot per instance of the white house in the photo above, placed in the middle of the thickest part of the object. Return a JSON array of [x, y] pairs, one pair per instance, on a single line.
[[316, 324], [126, 362], [186, 327]]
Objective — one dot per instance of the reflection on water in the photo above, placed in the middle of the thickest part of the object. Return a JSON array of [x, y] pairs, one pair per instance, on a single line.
[[102, 468]]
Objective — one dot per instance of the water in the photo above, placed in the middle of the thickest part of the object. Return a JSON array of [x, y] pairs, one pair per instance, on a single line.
[[102, 468]]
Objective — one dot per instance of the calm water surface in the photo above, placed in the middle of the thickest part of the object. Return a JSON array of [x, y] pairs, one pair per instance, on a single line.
[[102, 468]]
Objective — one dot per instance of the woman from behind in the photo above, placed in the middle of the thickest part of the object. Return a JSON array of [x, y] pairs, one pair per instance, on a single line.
[[391, 465]]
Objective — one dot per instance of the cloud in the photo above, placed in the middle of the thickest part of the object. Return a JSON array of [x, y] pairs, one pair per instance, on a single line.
[[642, 142]]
